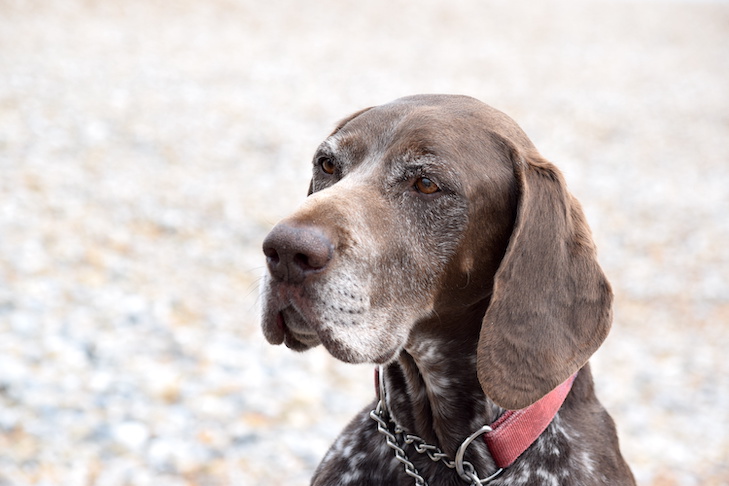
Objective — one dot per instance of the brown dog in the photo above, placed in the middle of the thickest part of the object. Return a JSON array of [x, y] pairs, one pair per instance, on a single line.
[[437, 242]]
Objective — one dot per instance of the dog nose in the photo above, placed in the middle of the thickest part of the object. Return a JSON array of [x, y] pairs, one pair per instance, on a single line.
[[294, 252]]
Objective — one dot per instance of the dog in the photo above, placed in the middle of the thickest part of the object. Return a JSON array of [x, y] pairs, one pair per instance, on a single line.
[[439, 245]]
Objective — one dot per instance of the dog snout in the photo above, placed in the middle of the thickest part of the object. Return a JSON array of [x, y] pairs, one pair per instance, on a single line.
[[294, 252]]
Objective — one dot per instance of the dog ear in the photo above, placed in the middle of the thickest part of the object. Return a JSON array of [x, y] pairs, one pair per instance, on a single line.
[[551, 304]]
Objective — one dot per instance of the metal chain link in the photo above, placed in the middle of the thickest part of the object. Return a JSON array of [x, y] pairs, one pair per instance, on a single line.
[[381, 417], [467, 472], [465, 469]]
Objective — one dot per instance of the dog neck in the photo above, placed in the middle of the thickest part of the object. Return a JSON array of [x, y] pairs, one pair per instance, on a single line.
[[433, 389], [437, 398]]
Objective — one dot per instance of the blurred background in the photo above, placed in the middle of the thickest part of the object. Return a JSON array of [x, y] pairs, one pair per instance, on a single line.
[[146, 147]]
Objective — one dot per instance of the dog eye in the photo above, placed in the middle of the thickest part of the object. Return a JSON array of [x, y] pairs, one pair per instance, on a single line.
[[327, 165], [426, 186]]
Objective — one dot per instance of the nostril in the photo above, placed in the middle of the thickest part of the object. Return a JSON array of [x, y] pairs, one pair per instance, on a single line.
[[313, 261], [302, 261], [271, 255]]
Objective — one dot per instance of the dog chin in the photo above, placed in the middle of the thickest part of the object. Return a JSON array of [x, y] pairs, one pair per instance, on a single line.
[[351, 355]]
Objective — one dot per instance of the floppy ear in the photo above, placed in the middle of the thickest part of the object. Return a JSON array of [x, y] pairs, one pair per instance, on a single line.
[[551, 303]]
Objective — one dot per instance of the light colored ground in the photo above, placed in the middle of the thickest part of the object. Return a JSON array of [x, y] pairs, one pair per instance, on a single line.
[[147, 147]]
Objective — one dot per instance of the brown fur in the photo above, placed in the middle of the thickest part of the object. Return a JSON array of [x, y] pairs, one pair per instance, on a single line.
[[478, 298]]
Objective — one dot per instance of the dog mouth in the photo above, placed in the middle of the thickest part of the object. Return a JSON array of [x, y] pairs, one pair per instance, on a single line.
[[282, 317], [348, 330], [297, 334]]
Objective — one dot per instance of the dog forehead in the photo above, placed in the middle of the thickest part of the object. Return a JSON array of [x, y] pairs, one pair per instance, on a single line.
[[439, 124], [393, 133]]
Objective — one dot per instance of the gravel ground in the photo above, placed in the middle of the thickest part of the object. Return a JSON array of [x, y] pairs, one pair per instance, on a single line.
[[146, 147]]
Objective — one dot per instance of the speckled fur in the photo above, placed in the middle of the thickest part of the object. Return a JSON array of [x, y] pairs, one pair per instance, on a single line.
[[479, 297]]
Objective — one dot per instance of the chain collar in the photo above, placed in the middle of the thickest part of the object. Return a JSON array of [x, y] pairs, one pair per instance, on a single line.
[[396, 439]]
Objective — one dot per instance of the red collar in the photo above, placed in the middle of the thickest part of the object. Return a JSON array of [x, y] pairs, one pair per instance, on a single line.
[[515, 430]]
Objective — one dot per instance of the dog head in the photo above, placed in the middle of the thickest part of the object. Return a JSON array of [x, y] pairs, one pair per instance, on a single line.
[[428, 206]]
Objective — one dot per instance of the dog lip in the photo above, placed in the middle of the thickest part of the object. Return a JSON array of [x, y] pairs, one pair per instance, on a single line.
[[280, 323], [294, 328], [284, 313]]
